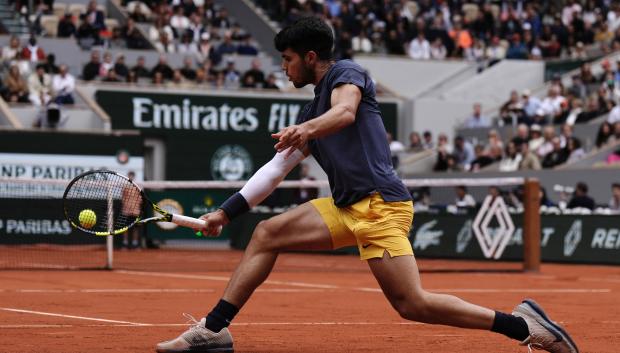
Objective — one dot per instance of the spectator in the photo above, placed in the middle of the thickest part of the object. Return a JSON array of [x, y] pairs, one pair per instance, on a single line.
[[49, 64], [140, 69], [11, 52], [165, 44], [575, 111], [16, 86], [163, 67], [536, 138], [463, 198], [227, 46], [482, 160], [187, 45], [179, 22], [567, 134], [361, 43], [463, 153], [132, 36], [553, 105], [92, 68], [138, 14], [511, 160], [614, 202], [206, 50], [495, 146], [574, 150], [495, 51], [256, 74], [106, 65], [32, 52], [196, 28], [396, 147], [231, 75], [246, 47], [178, 81], [63, 85], [477, 120], [415, 143], [428, 140], [131, 78], [529, 160], [394, 43], [438, 50], [158, 27], [580, 198], [511, 112], [530, 106], [419, 48], [158, 78], [94, 17], [39, 87], [119, 66], [66, 27], [187, 70], [111, 77], [547, 145], [270, 83], [557, 156]]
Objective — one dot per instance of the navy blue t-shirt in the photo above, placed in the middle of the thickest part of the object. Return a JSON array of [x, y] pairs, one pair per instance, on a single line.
[[357, 158]]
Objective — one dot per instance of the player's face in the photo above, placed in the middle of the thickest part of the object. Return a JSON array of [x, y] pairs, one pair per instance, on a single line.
[[296, 68]]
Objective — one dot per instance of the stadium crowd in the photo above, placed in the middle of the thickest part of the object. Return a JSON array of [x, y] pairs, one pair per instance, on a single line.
[[481, 31]]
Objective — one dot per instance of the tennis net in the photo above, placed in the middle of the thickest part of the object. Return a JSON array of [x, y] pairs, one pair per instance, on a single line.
[[34, 233]]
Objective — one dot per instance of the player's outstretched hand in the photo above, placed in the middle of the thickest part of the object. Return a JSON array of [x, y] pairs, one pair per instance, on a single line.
[[215, 221], [295, 136]]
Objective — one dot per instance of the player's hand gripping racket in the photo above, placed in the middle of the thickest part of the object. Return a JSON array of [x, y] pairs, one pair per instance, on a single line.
[[102, 202]]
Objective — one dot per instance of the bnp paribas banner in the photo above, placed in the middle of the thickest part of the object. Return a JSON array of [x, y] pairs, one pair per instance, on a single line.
[[211, 136]]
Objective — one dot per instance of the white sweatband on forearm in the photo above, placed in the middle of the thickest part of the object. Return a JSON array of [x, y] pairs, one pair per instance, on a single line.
[[267, 178]]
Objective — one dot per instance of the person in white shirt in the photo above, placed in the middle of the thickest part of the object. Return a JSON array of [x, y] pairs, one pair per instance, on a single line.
[[419, 48], [477, 120], [463, 199], [614, 115], [614, 202], [63, 85], [552, 104], [438, 50], [361, 43], [39, 86]]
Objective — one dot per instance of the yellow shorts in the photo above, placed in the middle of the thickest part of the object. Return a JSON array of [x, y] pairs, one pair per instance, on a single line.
[[372, 224]]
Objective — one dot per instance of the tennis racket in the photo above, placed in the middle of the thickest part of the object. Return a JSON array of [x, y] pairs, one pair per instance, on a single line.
[[103, 202]]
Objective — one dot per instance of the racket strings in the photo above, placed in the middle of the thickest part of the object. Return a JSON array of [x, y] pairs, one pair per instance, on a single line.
[[115, 202]]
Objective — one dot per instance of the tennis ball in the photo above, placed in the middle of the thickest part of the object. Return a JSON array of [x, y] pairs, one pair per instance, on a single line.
[[87, 218]]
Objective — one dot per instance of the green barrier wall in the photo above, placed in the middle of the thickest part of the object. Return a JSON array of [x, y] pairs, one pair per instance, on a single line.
[[564, 238]]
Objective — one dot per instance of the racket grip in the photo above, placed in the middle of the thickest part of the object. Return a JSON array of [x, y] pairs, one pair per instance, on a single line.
[[189, 222]]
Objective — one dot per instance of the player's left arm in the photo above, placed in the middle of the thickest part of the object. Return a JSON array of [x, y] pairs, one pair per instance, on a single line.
[[345, 100]]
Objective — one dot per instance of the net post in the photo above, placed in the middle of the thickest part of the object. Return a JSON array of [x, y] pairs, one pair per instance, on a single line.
[[531, 225]]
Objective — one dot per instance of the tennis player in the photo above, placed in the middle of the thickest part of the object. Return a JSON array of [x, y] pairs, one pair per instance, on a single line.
[[370, 207]]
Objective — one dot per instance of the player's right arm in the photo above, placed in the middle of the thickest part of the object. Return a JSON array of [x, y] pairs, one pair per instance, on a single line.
[[257, 188]]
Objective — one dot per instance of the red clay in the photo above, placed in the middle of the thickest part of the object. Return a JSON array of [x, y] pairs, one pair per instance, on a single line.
[[314, 303]]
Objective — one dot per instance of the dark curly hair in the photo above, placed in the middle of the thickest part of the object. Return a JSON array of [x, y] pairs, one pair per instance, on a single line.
[[307, 34]]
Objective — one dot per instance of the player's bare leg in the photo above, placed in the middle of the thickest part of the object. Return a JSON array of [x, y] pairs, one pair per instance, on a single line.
[[299, 228], [399, 279]]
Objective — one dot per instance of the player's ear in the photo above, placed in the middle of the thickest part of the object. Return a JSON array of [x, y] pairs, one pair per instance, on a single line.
[[310, 58]]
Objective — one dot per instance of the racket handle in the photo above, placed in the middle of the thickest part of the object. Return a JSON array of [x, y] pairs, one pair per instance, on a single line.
[[189, 222]]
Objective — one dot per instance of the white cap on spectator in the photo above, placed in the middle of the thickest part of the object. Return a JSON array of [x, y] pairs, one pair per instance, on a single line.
[[535, 127], [205, 36], [527, 26], [526, 92]]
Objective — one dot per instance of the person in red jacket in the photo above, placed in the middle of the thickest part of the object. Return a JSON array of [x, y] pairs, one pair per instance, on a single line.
[[32, 52]]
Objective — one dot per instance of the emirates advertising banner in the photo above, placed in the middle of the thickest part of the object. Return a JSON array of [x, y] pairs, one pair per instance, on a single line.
[[211, 137]]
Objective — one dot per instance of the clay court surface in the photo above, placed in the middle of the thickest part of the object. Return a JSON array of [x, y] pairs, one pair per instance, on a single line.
[[311, 303]]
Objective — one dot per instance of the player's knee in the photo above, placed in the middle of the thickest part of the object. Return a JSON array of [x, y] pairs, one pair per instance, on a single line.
[[263, 235], [414, 309]]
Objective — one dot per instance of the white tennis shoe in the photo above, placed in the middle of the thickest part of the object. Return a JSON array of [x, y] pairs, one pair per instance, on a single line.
[[544, 333], [198, 339]]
